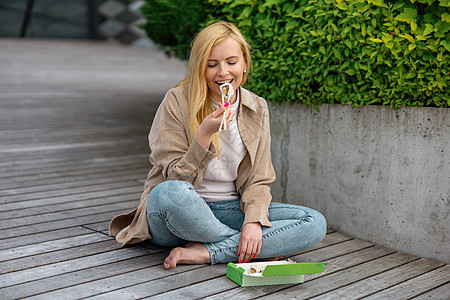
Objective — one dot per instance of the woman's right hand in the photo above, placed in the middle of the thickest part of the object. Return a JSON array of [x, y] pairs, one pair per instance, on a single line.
[[211, 125]]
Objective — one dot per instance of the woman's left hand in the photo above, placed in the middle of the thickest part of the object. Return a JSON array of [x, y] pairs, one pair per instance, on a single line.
[[250, 242]]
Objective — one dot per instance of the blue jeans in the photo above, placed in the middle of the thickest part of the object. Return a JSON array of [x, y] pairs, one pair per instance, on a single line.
[[176, 214]]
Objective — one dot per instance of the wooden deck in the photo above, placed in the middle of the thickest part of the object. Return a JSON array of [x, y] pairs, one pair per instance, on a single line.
[[74, 118]]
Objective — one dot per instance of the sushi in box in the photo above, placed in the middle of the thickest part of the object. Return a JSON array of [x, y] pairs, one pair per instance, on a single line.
[[270, 273]]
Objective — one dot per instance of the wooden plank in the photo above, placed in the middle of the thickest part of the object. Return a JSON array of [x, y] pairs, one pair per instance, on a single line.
[[59, 268], [64, 215], [73, 174], [113, 284], [55, 181], [15, 148], [53, 208], [66, 146], [108, 191], [19, 241], [99, 158], [198, 290], [68, 191], [341, 278], [56, 163], [329, 240], [122, 265], [51, 246], [99, 226], [61, 224], [167, 283], [68, 149], [80, 155], [415, 286], [382, 281], [42, 259], [332, 251], [439, 292], [78, 133]]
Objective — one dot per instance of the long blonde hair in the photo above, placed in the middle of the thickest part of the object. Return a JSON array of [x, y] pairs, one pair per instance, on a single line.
[[195, 81]]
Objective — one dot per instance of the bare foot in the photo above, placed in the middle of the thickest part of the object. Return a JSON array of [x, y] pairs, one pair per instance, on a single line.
[[194, 253]]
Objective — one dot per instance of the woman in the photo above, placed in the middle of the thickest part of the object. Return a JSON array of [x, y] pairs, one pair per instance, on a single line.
[[210, 188]]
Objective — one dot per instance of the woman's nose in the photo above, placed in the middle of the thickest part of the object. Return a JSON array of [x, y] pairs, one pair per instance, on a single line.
[[223, 70]]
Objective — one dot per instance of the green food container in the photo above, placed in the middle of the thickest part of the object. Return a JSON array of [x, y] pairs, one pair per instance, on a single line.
[[276, 272]]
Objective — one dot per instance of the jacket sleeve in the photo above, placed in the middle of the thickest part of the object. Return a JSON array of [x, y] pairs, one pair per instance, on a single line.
[[256, 197], [169, 143]]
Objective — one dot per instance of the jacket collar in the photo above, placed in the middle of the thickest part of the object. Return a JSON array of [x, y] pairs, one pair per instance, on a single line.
[[246, 99]]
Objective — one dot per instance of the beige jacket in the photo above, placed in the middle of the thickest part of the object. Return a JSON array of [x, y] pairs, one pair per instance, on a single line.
[[174, 156]]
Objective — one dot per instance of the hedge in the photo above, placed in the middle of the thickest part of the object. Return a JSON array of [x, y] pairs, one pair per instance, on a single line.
[[357, 52]]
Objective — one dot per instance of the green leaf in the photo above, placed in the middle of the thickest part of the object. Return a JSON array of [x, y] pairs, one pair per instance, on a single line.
[[322, 49], [337, 54], [341, 5], [348, 44], [445, 17], [246, 12], [291, 23], [409, 15], [270, 3], [441, 29], [410, 75], [375, 40], [446, 44], [350, 72], [386, 37], [408, 37], [334, 27], [428, 29], [378, 3]]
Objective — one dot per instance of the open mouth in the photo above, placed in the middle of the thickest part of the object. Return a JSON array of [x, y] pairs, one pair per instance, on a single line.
[[224, 81]]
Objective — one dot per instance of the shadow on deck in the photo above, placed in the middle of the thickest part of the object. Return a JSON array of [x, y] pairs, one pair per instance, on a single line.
[[74, 120]]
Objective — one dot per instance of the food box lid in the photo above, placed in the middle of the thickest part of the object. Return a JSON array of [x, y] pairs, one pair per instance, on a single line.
[[293, 269]]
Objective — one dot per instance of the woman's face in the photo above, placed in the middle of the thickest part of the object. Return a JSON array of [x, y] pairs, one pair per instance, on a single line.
[[225, 64]]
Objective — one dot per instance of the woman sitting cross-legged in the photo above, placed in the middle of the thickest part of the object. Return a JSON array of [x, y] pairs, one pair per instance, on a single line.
[[209, 188]]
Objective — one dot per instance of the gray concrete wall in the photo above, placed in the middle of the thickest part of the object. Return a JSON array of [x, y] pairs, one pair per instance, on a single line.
[[377, 174]]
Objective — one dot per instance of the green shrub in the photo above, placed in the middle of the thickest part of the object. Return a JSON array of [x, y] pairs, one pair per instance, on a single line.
[[173, 23], [356, 52]]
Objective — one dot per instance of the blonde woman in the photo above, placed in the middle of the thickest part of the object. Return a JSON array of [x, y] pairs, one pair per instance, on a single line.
[[208, 193]]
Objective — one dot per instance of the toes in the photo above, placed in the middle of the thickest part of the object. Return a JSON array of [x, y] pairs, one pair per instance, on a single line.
[[166, 265], [170, 261]]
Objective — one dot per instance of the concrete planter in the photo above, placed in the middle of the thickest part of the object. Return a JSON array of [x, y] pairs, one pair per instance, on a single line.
[[376, 173]]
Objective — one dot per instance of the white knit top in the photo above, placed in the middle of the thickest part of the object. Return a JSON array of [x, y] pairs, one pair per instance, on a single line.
[[219, 178]]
